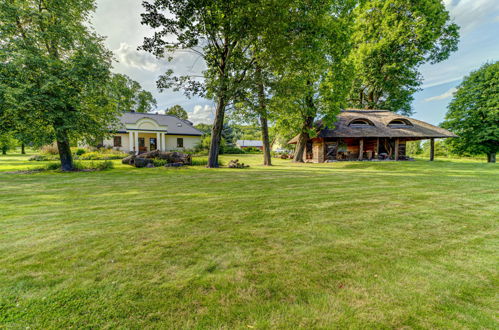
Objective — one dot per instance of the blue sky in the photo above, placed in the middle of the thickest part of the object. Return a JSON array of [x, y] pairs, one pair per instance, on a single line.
[[119, 21]]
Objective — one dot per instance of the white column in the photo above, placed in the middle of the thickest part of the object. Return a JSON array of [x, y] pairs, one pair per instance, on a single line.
[[136, 142], [130, 141], [158, 141], [163, 141]]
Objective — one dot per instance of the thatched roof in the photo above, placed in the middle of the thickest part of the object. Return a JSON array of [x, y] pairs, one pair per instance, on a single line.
[[356, 123]]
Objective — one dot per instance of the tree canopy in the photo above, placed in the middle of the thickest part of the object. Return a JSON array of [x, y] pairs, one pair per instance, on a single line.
[[391, 40], [473, 113], [220, 32], [129, 95], [54, 73], [177, 111]]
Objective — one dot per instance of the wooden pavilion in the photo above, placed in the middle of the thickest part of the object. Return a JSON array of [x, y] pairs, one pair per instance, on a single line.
[[370, 134]]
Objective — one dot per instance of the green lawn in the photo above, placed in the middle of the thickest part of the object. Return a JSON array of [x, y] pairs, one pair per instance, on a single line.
[[342, 245]]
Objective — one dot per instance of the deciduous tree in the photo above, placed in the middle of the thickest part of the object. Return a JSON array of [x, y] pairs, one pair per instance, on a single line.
[[54, 72], [177, 111], [315, 75], [129, 95], [217, 30], [474, 113], [392, 39]]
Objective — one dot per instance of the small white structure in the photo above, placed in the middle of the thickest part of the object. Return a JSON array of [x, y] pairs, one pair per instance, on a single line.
[[242, 144], [143, 132]]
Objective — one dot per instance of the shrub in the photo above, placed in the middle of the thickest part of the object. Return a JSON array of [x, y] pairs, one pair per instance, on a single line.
[[201, 161], [80, 151], [252, 150], [103, 154], [52, 166], [159, 162], [231, 150], [50, 149], [43, 158], [99, 166]]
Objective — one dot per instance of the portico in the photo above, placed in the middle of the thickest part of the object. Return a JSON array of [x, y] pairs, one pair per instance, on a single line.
[[144, 141]]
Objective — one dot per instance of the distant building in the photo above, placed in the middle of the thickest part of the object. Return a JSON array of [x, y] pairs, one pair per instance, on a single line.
[[369, 134], [244, 144]]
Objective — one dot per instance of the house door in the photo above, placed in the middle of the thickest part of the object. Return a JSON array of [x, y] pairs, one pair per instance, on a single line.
[[153, 144], [142, 145]]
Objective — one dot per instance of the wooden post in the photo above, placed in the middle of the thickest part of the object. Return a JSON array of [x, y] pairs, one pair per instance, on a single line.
[[432, 149], [377, 148], [396, 149], [361, 149]]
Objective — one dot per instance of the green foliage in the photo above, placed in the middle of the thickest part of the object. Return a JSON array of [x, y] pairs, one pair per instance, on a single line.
[[206, 142], [82, 166], [391, 39], [43, 158], [102, 155], [52, 166], [54, 73], [7, 142], [159, 162], [129, 95], [474, 113], [232, 150], [205, 128], [177, 111], [413, 148], [80, 151], [252, 150], [442, 148]]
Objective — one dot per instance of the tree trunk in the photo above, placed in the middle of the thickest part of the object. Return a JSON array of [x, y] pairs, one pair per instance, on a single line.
[[216, 134], [432, 149], [4, 150], [266, 141], [491, 157], [263, 119], [23, 152], [302, 140], [64, 150]]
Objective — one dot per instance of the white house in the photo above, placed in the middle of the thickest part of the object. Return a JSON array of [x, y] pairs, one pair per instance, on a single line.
[[143, 132]]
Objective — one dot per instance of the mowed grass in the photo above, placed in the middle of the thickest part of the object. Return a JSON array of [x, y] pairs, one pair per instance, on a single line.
[[341, 245]]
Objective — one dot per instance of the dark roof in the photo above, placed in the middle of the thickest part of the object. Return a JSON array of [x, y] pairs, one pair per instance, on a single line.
[[379, 126], [176, 126], [249, 143]]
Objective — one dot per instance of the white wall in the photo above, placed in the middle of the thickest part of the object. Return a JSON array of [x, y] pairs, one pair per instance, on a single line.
[[189, 141], [109, 142]]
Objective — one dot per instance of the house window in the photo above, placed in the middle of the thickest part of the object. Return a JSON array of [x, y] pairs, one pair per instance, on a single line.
[[399, 123], [180, 142], [361, 122], [117, 141]]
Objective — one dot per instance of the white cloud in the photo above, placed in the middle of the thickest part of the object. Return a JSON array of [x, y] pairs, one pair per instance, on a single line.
[[202, 114], [443, 96], [469, 14], [129, 56]]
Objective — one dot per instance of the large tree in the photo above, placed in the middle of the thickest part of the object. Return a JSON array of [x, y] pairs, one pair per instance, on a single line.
[[219, 32], [177, 111], [54, 72], [474, 113], [392, 39], [314, 75], [129, 95]]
